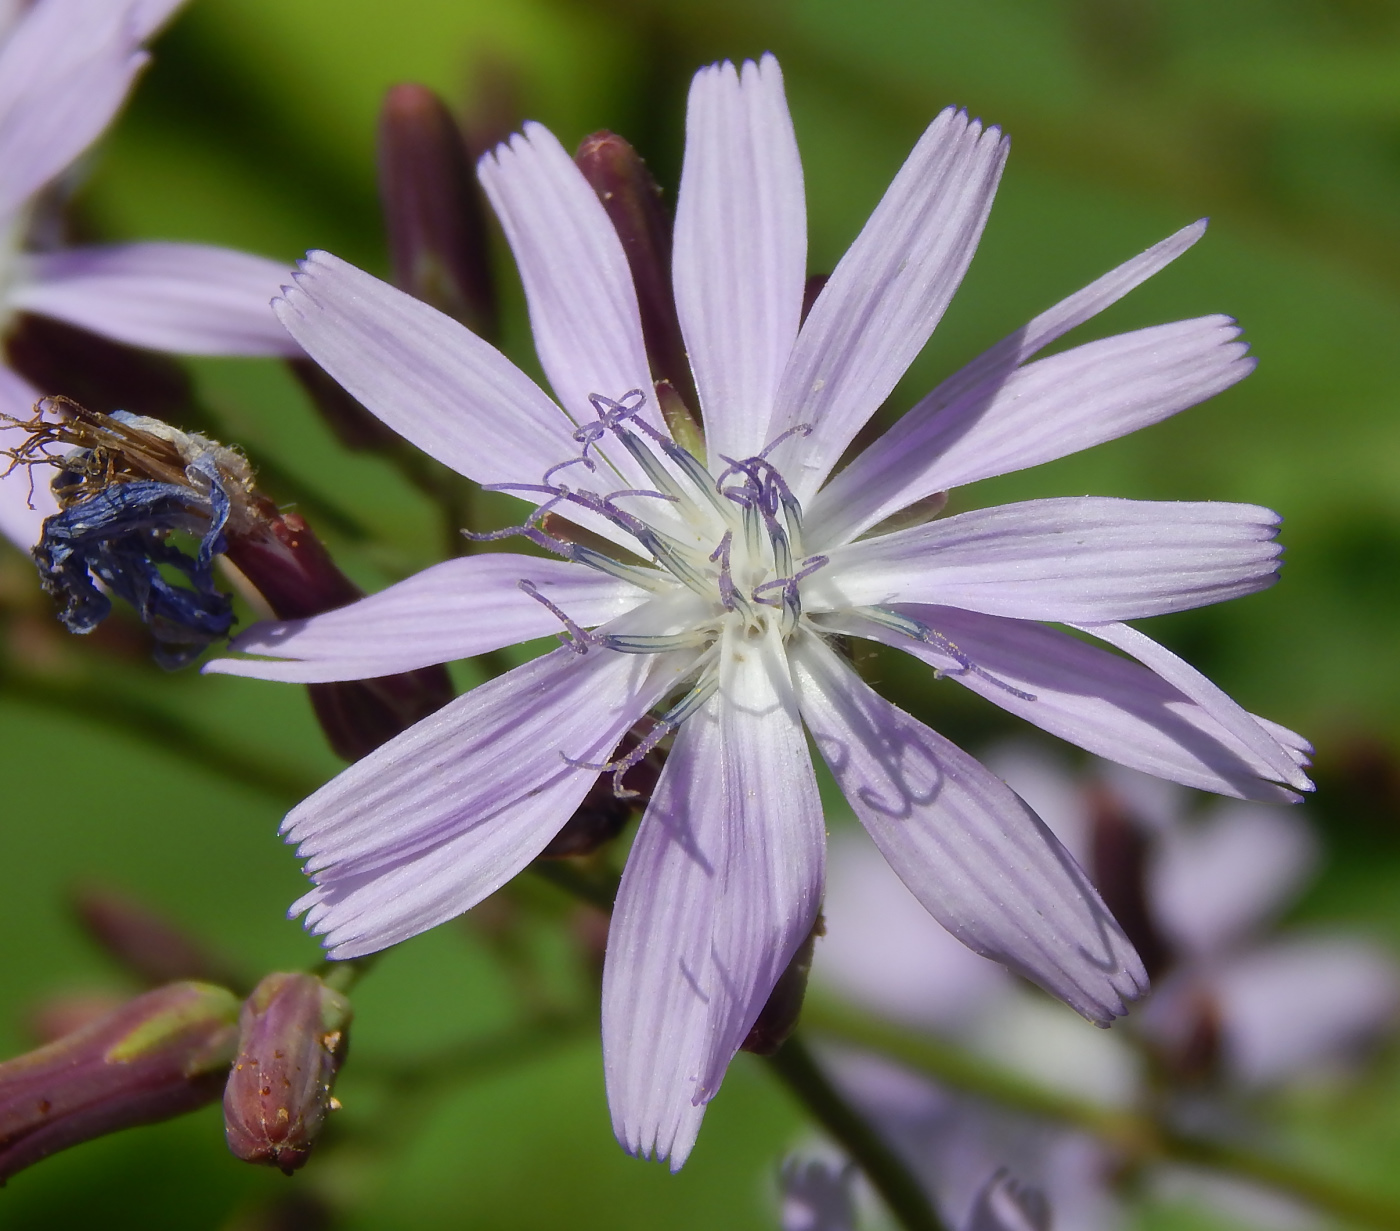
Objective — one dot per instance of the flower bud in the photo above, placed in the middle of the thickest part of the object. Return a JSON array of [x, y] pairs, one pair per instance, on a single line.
[[160, 1055], [150, 946], [633, 202], [778, 1018], [1118, 868], [292, 1039], [433, 211]]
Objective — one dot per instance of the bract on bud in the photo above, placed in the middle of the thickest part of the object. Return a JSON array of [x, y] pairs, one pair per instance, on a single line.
[[160, 1055], [433, 209], [147, 944], [292, 1039], [633, 202], [778, 1018]]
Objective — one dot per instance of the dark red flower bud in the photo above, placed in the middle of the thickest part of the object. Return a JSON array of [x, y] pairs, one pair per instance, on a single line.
[[633, 202], [778, 1018], [1118, 868], [149, 945], [160, 1055], [433, 209], [292, 1039]]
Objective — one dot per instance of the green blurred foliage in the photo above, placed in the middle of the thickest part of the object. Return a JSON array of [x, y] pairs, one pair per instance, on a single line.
[[255, 128]]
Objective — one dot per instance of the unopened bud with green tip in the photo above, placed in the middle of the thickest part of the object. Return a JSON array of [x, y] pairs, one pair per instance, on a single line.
[[292, 1039], [160, 1055]]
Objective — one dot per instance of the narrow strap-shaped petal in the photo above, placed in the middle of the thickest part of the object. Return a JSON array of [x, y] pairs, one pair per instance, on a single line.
[[1060, 559], [1011, 420], [1295, 1004], [189, 298], [981, 862], [25, 497], [1214, 882], [1282, 750], [583, 310], [430, 379], [453, 610], [65, 70], [656, 1002], [740, 256], [1098, 700], [887, 294], [429, 824], [775, 849]]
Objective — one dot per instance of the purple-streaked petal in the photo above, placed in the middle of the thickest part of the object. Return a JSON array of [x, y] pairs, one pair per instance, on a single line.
[[583, 310], [1284, 752], [656, 975], [978, 859], [1098, 700], [740, 255], [1213, 882], [1015, 419], [430, 379], [188, 298], [453, 610], [148, 16], [1059, 559], [65, 70], [883, 949], [1296, 1004], [775, 848], [887, 294], [429, 824], [25, 497], [720, 890]]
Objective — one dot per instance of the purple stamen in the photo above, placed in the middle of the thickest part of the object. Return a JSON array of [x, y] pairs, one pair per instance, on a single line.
[[620, 767], [728, 591], [581, 637]]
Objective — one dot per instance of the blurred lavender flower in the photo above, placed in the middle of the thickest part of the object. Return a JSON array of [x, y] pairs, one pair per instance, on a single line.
[[754, 565], [66, 67], [1235, 1010], [817, 1196]]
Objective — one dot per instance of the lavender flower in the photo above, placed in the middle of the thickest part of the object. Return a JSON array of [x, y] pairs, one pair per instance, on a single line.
[[748, 563], [66, 67]]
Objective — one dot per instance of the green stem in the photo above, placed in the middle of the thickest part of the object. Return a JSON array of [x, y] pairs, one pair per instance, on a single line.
[[1138, 1137], [902, 1193]]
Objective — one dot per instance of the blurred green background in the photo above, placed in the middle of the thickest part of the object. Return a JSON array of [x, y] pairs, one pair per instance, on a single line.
[[255, 128]]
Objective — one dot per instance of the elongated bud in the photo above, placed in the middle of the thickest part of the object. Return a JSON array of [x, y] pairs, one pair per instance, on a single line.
[[778, 1018], [150, 946], [292, 1039], [433, 211], [1118, 863], [633, 202], [160, 1055]]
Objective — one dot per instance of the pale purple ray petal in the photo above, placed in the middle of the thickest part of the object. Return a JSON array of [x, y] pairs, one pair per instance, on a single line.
[[1283, 751], [887, 294], [775, 847], [25, 497], [65, 71], [429, 824], [453, 610], [1299, 1003], [149, 15], [430, 379], [740, 256], [189, 298], [1060, 559], [656, 974], [979, 860], [1211, 883], [583, 310], [883, 949], [1093, 698], [1047, 409]]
